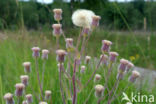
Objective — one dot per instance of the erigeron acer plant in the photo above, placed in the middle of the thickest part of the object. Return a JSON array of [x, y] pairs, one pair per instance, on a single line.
[[70, 77]]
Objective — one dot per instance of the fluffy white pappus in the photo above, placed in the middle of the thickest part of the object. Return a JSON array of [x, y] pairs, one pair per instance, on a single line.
[[82, 18]]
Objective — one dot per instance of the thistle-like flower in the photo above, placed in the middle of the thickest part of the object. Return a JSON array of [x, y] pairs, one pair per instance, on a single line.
[[95, 21], [134, 76], [87, 59], [86, 31], [36, 52], [24, 102], [99, 90], [27, 67], [82, 18], [57, 29], [9, 98], [45, 53], [47, 94], [97, 78], [112, 56], [69, 43], [61, 55], [83, 68], [106, 46], [42, 102], [19, 89], [123, 65], [24, 79], [129, 66], [29, 98], [57, 14], [120, 75], [104, 59]]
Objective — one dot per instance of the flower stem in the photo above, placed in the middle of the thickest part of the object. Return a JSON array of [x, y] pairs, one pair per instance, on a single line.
[[43, 71]]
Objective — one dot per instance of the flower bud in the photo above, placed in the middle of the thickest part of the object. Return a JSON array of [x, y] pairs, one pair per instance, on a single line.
[[47, 95], [24, 79], [104, 59], [95, 21], [112, 56], [97, 78], [24, 102], [19, 89], [134, 76], [36, 52], [86, 31], [106, 46], [61, 55], [29, 98], [99, 90], [45, 53], [83, 68], [27, 67], [57, 30], [87, 59], [129, 66], [42, 102], [123, 65], [57, 14], [69, 43], [9, 98]]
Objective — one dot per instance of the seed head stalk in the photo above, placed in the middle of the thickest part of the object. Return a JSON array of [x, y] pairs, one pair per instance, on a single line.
[[38, 77]]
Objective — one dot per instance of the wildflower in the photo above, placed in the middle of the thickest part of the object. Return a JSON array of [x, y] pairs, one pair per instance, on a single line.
[[104, 59], [24, 79], [47, 94], [9, 98], [57, 14], [42, 102], [97, 78], [57, 30], [24, 102], [19, 89], [129, 66], [45, 53], [27, 67], [112, 56], [99, 89], [69, 43], [123, 65], [86, 31], [132, 58], [106, 46], [61, 55], [95, 21], [82, 69], [134, 76], [120, 75], [87, 59], [82, 18], [29, 98], [36, 52]]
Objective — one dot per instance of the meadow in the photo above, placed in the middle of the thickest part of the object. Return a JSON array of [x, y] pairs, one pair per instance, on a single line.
[[15, 48]]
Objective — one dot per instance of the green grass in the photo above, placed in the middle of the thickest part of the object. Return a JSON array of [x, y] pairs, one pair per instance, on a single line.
[[17, 48]]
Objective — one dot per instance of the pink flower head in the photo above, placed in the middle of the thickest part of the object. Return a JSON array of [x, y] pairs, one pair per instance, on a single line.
[[57, 14], [61, 55], [47, 94], [97, 78], [27, 67], [9, 98], [113, 56], [87, 59], [24, 79], [86, 31], [57, 29], [19, 89], [106, 46], [36, 52], [69, 43], [123, 65], [104, 59], [134, 76], [83, 68], [45, 53], [95, 20], [120, 75], [29, 98], [99, 90], [129, 66]]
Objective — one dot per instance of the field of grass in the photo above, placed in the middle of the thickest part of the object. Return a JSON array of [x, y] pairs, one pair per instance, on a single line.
[[15, 48]]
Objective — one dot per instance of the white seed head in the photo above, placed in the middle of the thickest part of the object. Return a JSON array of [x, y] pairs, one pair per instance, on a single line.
[[82, 18]]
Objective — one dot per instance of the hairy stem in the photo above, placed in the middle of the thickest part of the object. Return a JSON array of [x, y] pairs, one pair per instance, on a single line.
[[43, 71]]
